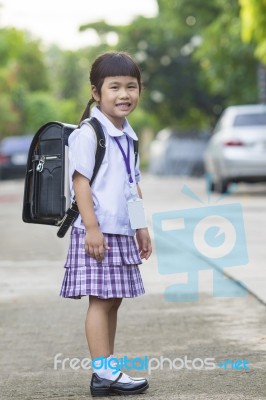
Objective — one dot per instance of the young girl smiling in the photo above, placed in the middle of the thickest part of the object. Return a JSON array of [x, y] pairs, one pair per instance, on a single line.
[[103, 257]]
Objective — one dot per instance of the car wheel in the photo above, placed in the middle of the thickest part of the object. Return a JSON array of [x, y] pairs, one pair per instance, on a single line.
[[221, 186]]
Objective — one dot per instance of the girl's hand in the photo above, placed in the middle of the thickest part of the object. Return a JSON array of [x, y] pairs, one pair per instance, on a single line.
[[95, 244], [144, 242]]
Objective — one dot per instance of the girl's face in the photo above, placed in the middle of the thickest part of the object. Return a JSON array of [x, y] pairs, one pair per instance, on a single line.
[[118, 98]]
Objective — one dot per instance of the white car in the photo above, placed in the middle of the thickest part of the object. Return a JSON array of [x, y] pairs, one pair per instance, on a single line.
[[236, 151]]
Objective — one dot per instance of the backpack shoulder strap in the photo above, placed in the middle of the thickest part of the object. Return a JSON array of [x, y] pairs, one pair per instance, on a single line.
[[73, 212], [101, 144], [136, 150]]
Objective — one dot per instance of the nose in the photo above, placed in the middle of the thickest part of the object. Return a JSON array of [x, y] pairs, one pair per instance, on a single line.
[[123, 93]]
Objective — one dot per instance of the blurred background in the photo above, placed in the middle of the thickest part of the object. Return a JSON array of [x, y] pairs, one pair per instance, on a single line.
[[196, 60], [202, 110]]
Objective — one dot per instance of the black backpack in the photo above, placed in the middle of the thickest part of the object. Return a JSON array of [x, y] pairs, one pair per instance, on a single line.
[[46, 189]]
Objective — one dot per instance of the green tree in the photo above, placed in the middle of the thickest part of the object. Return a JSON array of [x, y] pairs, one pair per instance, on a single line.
[[70, 72], [40, 107], [228, 66], [11, 44], [22, 70], [192, 58], [253, 15], [170, 75], [69, 80], [32, 69]]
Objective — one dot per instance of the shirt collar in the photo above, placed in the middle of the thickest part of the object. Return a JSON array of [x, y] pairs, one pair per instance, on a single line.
[[110, 128]]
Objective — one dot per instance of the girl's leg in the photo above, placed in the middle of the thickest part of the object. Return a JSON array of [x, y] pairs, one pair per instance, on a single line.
[[113, 323], [100, 329], [97, 326], [100, 325]]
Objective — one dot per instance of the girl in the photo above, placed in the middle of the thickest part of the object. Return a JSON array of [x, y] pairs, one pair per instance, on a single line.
[[103, 257]]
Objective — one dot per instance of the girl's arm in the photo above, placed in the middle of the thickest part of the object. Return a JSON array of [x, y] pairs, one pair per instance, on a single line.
[[143, 238], [95, 243]]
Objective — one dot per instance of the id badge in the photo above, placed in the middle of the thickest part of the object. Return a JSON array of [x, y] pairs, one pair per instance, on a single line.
[[136, 214]]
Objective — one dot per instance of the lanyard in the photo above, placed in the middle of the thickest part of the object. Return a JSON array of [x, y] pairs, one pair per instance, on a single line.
[[126, 157]]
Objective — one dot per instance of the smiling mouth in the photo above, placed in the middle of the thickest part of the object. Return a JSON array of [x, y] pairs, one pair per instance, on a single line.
[[126, 105]]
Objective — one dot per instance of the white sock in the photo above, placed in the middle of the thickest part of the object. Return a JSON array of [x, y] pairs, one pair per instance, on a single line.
[[104, 371], [124, 378]]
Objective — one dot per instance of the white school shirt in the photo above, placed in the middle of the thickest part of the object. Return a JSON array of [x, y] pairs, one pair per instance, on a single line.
[[111, 188]]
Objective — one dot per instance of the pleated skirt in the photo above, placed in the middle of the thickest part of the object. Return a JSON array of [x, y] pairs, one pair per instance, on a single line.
[[116, 276]]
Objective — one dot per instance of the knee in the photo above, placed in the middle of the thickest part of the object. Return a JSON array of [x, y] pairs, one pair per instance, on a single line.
[[100, 304], [105, 304]]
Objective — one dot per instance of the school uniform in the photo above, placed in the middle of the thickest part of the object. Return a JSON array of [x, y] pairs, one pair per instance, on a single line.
[[118, 274]]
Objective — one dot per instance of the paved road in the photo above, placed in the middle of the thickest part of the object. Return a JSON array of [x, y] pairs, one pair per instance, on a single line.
[[36, 324]]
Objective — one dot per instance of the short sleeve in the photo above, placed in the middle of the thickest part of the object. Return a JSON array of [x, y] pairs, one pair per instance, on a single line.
[[82, 149]]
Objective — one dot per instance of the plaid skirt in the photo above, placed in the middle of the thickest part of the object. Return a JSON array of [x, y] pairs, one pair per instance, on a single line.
[[116, 276]]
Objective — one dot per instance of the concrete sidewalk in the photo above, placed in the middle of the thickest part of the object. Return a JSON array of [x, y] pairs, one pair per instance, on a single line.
[[35, 327]]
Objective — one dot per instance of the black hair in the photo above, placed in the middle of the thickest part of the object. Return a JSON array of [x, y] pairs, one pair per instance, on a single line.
[[111, 64]]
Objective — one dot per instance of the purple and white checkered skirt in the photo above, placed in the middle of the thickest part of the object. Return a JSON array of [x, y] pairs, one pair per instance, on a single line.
[[117, 276]]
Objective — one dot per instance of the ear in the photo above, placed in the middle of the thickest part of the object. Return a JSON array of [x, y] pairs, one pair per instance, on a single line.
[[95, 93]]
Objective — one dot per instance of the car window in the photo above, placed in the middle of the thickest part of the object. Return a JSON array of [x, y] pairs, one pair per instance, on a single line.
[[12, 145], [250, 119]]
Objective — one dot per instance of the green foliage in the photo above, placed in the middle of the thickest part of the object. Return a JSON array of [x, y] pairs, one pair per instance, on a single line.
[[228, 66], [170, 76], [11, 43], [9, 117], [22, 71], [191, 55], [69, 70], [67, 111], [253, 15], [32, 69], [192, 58], [40, 107]]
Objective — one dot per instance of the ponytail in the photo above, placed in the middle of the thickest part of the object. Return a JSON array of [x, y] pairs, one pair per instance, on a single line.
[[87, 110]]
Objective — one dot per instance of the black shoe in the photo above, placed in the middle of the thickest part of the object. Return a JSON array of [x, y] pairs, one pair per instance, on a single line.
[[104, 387]]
